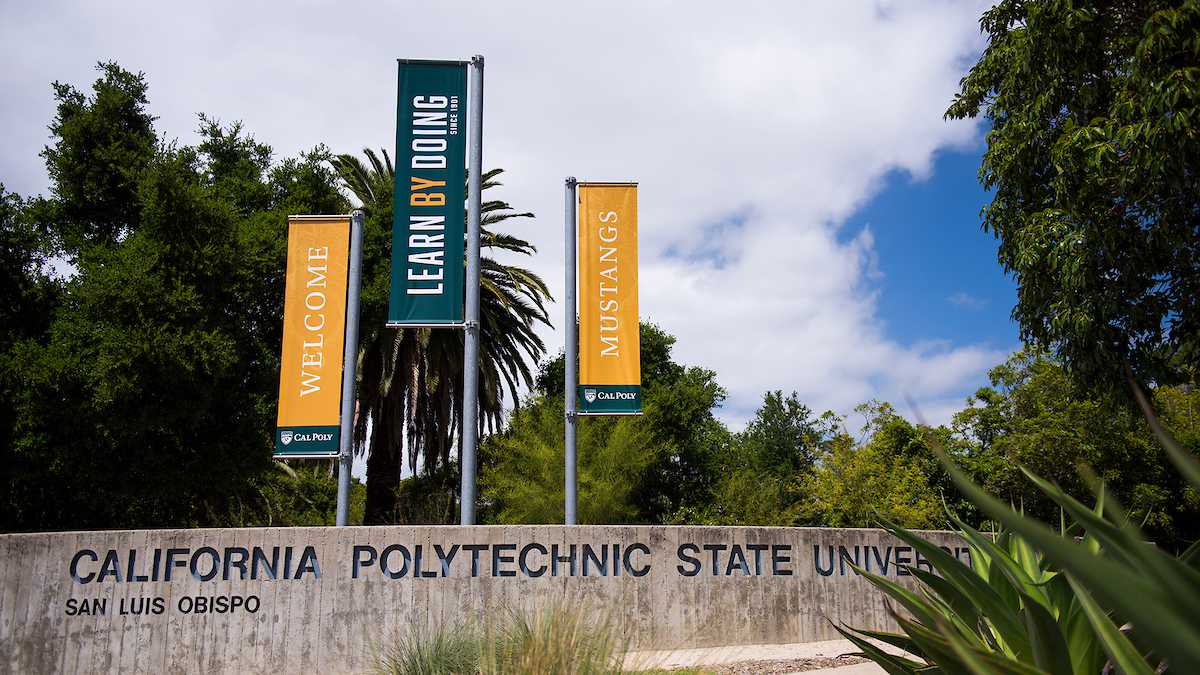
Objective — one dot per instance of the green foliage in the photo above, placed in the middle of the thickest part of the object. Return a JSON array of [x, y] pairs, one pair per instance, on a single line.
[[27, 293], [1093, 160], [102, 145], [680, 410], [448, 650], [887, 476], [1039, 600], [523, 479], [743, 496], [301, 494], [1034, 416], [556, 638], [28, 296], [757, 471], [783, 436], [148, 398], [858, 482], [792, 468], [553, 639], [631, 470], [410, 383], [428, 497], [679, 405]]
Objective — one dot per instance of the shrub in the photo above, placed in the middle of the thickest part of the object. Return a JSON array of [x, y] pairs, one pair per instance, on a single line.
[[1087, 599], [556, 638], [448, 650]]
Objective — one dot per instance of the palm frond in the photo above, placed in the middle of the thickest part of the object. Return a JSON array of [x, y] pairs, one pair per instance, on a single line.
[[410, 380]]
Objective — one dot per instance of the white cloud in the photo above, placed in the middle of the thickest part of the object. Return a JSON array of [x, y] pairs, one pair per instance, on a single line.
[[755, 130], [967, 301]]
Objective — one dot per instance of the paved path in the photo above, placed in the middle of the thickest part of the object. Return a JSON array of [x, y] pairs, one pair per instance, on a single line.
[[716, 656]]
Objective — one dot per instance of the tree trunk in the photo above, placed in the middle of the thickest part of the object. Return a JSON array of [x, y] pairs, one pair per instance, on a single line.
[[383, 474]]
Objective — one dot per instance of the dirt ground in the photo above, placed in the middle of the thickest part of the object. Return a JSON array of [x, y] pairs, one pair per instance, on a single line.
[[783, 666]]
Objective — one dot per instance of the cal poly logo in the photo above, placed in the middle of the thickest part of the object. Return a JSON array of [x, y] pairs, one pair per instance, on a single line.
[[589, 395], [285, 436]]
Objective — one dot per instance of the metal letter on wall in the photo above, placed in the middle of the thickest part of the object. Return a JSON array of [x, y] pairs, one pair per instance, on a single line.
[[610, 373], [427, 214], [314, 326]]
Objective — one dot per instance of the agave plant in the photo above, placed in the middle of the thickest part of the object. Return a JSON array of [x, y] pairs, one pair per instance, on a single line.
[[1010, 607], [1092, 598]]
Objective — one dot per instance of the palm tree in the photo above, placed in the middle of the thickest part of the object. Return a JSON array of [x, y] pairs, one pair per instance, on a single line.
[[410, 379]]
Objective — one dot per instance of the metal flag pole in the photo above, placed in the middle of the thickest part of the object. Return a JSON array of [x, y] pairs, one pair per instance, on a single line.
[[570, 348], [470, 425], [349, 368]]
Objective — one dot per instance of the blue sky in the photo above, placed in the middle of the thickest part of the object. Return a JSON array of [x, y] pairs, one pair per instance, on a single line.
[[940, 279]]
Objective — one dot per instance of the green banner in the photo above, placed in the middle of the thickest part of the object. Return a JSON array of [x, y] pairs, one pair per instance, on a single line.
[[610, 399], [321, 441], [427, 216]]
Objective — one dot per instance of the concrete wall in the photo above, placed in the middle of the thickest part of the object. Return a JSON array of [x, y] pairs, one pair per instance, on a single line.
[[101, 601]]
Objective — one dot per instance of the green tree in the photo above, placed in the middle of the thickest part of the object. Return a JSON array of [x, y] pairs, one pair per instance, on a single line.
[[27, 293], [1093, 161], [410, 388], [303, 495], [854, 484], [784, 437], [28, 297], [1034, 416], [151, 399], [757, 474], [896, 437], [680, 404], [523, 478], [103, 144], [636, 470]]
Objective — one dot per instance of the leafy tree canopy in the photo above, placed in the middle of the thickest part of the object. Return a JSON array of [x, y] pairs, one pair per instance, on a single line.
[[1093, 161], [102, 144], [149, 397], [634, 469], [783, 436], [855, 484], [1034, 416], [140, 385]]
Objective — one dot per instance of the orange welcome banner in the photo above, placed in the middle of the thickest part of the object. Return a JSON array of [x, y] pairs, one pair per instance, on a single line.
[[314, 327]]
